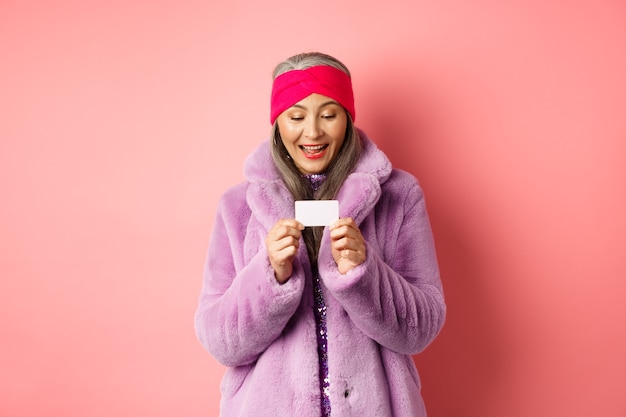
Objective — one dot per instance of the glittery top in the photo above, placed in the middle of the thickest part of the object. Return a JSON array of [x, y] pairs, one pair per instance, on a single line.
[[315, 180], [319, 308]]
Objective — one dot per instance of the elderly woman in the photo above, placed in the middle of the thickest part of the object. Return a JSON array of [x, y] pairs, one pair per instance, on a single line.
[[323, 320]]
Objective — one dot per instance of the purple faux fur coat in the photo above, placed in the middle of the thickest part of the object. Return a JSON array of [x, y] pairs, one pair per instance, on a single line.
[[378, 314]]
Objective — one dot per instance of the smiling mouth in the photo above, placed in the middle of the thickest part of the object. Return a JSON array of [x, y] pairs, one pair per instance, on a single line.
[[313, 149]]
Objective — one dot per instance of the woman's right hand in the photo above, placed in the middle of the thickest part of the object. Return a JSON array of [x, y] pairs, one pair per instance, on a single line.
[[282, 243]]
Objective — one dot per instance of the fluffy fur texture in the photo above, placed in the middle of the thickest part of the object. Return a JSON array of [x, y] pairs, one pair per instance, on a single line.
[[379, 314]]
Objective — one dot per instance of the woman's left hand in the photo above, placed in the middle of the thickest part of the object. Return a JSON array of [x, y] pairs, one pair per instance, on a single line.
[[347, 244]]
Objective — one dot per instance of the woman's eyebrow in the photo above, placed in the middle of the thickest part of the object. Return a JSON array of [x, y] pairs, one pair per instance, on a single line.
[[300, 106]]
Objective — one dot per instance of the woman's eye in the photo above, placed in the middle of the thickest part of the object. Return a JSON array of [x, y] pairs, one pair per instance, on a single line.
[[296, 118], [328, 116]]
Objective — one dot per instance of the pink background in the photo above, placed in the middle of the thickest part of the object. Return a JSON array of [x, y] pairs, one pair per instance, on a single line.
[[121, 123]]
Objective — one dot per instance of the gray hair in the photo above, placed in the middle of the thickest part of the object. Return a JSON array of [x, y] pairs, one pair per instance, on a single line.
[[307, 60]]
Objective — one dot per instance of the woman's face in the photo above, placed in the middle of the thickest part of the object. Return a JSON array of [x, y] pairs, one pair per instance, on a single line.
[[313, 131]]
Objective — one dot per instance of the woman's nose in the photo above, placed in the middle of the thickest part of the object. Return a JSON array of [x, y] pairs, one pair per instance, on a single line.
[[312, 129]]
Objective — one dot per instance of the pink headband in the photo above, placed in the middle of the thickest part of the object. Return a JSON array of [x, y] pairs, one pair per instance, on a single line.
[[295, 85]]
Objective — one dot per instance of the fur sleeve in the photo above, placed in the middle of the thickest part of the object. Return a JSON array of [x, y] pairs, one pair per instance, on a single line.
[[242, 309], [397, 300]]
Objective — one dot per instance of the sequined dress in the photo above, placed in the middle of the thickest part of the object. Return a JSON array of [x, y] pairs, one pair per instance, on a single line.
[[319, 307]]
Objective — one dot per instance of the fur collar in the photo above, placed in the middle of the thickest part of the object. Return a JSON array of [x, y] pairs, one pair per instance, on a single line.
[[270, 200]]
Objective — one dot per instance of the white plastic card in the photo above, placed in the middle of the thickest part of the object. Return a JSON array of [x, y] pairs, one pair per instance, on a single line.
[[317, 212]]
